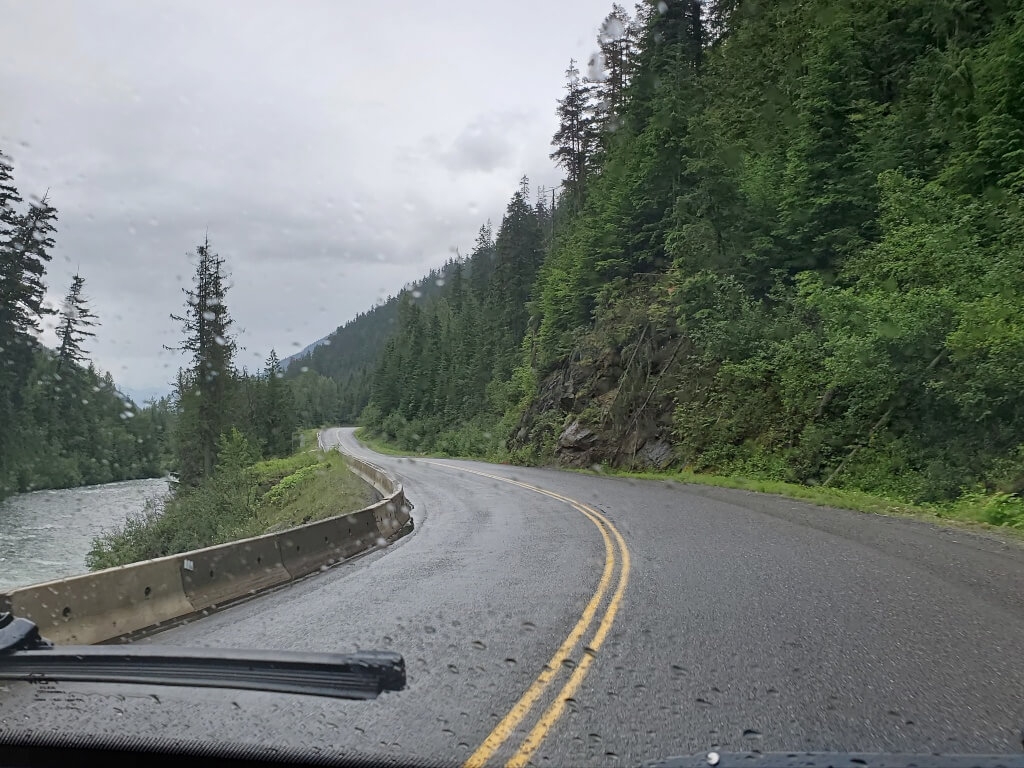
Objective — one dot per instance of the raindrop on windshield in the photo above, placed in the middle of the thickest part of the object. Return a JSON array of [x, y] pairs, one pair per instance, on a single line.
[[529, 626], [613, 29], [208, 315], [662, 7], [713, 757], [478, 644]]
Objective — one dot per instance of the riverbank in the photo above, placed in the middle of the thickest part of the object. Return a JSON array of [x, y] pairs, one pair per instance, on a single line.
[[241, 499]]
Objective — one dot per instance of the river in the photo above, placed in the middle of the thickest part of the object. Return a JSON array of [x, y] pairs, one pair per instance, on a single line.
[[45, 535]]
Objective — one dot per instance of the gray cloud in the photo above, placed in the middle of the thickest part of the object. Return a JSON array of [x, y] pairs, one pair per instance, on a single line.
[[484, 145], [332, 151]]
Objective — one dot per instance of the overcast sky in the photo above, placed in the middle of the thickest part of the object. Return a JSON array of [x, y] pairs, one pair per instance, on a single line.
[[334, 150]]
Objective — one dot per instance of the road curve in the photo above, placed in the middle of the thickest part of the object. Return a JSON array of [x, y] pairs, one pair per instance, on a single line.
[[556, 618]]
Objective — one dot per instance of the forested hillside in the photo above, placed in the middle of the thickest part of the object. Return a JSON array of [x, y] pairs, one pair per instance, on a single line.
[[62, 422], [333, 381], [788, 245]]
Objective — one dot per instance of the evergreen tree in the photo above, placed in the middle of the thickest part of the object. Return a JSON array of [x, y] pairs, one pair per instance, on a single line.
[[574, 141], [611, 68], [75, 321], [204, 389], [278, 418], [481, 261]]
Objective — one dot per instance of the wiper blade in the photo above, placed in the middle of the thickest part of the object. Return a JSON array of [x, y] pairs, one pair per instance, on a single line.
[[364, 675]]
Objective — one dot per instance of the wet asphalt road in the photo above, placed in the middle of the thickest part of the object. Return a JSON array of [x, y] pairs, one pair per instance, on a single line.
[[749, 622]]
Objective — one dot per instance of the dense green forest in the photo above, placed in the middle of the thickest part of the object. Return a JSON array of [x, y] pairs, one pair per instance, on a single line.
[[787, 245], [62, 422], [333, 382]]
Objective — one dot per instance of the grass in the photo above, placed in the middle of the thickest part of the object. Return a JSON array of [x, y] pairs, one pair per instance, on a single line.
[[378, 445], [975, 511], [314, 492], [236, 503]]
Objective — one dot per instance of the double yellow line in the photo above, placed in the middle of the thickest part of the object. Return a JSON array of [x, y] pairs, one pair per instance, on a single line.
[[563, 656]]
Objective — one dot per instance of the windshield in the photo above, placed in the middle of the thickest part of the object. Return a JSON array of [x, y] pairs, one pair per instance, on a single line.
[[647, 378]]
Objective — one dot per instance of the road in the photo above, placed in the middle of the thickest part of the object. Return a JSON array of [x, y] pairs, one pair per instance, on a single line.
[[618, 621]]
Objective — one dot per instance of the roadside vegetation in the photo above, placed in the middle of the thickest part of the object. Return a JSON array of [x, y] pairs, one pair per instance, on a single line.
[[978, 509], [243, 497], [786, 253]]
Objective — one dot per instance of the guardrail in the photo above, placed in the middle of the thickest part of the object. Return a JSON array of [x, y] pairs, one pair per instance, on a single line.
[[117, 601]]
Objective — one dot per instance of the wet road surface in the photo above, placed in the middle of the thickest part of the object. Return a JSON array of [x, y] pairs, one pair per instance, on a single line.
[[718, 619]]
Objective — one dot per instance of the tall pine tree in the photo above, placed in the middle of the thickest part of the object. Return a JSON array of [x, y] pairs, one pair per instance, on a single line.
[[204, 389], [75, 321]]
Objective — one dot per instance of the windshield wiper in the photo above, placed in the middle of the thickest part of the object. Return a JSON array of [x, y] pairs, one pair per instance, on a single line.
[[25, 655]]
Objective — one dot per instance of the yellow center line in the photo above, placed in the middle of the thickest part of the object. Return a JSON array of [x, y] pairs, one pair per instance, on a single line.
[[504, 729], [557, 707]]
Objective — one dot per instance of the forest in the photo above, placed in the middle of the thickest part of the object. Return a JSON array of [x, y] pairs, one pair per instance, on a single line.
[[787, 246], [62, 421]]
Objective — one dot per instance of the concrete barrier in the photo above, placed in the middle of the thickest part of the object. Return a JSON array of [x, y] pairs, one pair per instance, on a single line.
[[228, 571], [98, 606], [310, 547], [107, 604]]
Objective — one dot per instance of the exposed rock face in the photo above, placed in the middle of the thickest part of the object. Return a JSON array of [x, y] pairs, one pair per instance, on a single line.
[[602, 409], [575, 445]]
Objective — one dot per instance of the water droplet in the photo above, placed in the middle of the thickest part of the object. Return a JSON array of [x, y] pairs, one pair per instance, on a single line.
[[529, 626], [663, 9], [510, 661], [429, 629], [208, 315], [713, 757], [453, 669], [417, 294], [220, 340], [439, 282], [568, 663], [478, 645], [750, 733], [613, 29]]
